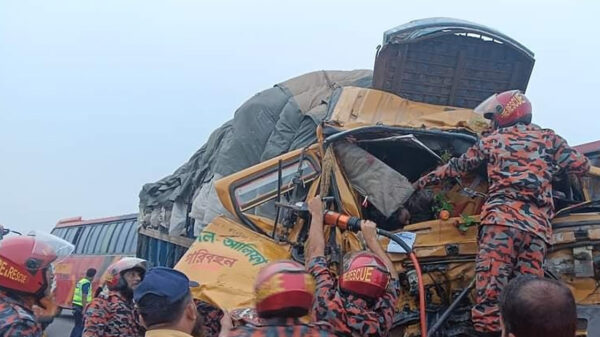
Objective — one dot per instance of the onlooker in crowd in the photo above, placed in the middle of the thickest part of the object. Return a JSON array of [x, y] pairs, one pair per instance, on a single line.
[[81, 297], [531, 306], [111, 314], [165, 304]]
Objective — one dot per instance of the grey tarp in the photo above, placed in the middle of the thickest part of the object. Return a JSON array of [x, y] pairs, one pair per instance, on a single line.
[[271, 123], [384, 187]]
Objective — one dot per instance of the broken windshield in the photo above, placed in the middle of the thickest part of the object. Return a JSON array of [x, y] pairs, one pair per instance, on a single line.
[[264, 188]]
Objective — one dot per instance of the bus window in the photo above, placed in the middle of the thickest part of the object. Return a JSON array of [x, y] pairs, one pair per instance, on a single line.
[[79, 248], [132, 242], [112, 248], [131, 238], [126, 234], [133, 246], [100, 239], [92, 239], [96, 238], [107, 238], [119, 248], [70, 234], [60, 232], [77, 235]]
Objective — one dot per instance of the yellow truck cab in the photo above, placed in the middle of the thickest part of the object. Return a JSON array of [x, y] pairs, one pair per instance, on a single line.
[[417, 113], [445, 248]]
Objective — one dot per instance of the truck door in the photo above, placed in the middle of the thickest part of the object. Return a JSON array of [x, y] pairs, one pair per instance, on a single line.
[[251, 193]]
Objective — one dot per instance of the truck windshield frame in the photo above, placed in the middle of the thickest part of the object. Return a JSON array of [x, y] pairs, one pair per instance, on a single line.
[[257, 191], [267, 179]]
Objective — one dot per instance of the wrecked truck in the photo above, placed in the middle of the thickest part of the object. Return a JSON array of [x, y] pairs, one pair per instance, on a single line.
[[416, 114]]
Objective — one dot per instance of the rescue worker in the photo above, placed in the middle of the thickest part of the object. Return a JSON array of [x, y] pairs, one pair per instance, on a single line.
[[26, 278], [81, 297], [211, 317], [284, 292], [362, 301], [165, 304], [521, 160], [112, 313]]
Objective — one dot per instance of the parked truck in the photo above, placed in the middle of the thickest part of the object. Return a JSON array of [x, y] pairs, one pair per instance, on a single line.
[[411, 114]]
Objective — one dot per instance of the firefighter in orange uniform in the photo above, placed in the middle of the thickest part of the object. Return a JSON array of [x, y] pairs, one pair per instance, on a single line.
[[362, 302], [284, 293], [112, 314], [521, 161], [26, 278]]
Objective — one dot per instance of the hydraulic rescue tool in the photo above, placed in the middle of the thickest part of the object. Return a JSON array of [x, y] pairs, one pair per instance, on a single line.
[[352, 223]]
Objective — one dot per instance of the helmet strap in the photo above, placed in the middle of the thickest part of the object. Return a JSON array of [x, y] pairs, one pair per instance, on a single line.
[[495, 124], [125, 290], [41, 293]]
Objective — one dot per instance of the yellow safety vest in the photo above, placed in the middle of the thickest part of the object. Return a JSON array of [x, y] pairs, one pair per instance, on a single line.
[[78, 295]]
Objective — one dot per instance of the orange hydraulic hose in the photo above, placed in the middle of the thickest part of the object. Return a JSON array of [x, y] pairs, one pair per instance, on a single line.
[[422, 315]]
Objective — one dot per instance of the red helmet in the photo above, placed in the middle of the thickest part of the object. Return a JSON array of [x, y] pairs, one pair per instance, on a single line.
[[26, 260], [506, 109], [113, 278], [283, 289], [365, 275]]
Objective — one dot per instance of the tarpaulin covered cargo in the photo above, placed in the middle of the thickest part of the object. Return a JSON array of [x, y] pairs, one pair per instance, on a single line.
[[444, 61], [279, 120], [273, 122]]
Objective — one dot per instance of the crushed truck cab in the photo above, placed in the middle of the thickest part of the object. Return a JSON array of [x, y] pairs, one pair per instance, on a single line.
[[416, 114], [446, 248]]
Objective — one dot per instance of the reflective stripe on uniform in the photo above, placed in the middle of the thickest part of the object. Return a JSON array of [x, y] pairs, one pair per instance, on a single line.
[[78, 295]]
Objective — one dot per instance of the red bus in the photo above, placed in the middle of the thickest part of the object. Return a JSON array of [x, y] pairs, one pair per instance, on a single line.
[[98, 243]]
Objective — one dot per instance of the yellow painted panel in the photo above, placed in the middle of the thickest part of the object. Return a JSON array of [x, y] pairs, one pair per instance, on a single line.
[[362, 107], [225, 260]]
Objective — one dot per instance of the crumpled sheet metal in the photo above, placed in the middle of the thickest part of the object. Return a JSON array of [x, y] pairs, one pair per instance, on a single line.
[[356, 107]]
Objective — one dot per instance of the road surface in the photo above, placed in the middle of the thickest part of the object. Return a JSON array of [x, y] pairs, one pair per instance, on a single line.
[[61, 326]]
